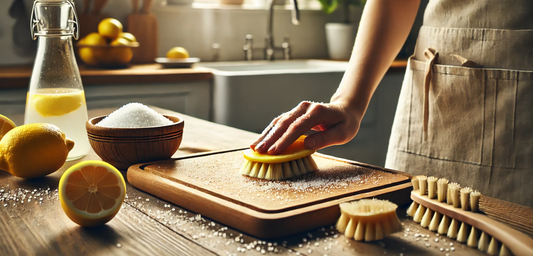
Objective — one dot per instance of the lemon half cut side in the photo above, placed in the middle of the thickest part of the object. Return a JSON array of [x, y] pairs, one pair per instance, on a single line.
[[57, 102], [5, 125], [91, 192]]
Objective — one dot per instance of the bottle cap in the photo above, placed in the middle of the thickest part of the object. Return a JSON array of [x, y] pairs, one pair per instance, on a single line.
[[54, 18]]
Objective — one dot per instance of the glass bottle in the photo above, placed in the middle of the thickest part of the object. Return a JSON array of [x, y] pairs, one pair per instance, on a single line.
[[56, 92]]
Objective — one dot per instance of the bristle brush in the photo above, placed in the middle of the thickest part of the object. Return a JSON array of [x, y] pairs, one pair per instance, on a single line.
[[295, 161], [455, 221]]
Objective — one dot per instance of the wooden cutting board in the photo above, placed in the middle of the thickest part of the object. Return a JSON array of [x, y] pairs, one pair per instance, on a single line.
[[211, 184], [144, 28]]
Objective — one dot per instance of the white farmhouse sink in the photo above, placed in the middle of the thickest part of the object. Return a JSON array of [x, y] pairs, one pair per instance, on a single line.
[[249, 94], [274, 67]]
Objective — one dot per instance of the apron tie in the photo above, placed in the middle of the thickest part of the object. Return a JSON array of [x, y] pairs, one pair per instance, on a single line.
[[431, 55]]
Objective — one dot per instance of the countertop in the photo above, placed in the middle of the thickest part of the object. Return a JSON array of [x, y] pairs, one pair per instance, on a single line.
[[19, 76], [33, 223]]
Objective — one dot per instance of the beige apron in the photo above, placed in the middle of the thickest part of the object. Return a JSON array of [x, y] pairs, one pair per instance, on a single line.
[[466, 105]]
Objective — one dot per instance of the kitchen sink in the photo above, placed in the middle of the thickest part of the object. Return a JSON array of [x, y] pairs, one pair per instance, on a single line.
[[249, 94]]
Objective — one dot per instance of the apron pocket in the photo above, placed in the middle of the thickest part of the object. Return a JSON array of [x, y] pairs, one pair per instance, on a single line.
[[476, 115]]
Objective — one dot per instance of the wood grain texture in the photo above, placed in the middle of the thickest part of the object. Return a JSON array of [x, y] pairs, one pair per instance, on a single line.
[[35, 226], [19, 76], [89, 22], [213, 186], [518, 242], [144, 28], [147, 225], [122, 147]]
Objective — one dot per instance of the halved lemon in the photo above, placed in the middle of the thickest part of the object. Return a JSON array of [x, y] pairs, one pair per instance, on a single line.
[[295, 151], [57, 102], [91, 192], [5, 125]]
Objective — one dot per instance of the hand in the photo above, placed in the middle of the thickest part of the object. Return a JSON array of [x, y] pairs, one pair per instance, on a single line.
[[336, 124]]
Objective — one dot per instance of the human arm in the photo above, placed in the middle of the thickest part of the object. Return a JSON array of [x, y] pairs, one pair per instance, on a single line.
[[384, 27]]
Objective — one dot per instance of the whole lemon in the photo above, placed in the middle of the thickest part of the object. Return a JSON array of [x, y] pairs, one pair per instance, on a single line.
[[121, 54], [128, 36], [177, 53], [118, 53], [91, 55], [34, 150], [110, 28], [93, 39]]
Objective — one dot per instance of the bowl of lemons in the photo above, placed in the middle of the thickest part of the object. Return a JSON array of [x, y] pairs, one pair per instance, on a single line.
[[177, 57], [110, 47]]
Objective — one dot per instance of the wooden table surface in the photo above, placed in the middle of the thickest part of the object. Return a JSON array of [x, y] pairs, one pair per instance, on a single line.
[[33, 223]]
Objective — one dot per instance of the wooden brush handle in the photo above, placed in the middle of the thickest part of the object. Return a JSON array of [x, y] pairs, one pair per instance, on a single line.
[[518, 242]]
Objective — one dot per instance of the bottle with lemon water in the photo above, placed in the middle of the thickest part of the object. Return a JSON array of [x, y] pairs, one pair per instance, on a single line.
[[56, 92]]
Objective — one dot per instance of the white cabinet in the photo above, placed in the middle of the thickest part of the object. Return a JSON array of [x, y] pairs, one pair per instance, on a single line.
[[190, 98]]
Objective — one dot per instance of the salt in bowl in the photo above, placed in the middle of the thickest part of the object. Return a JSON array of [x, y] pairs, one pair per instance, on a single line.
[[123, 147]]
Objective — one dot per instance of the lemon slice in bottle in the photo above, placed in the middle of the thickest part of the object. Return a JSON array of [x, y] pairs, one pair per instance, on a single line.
[[53, 102]]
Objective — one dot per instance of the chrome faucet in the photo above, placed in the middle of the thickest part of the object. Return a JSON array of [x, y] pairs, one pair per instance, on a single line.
[[269, 49]]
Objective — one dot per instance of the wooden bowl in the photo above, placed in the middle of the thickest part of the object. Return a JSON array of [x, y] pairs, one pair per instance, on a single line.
[[123, 147]]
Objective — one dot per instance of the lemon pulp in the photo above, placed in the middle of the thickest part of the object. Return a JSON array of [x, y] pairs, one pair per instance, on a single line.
[[5, 125], [56, 102], [91, 192]]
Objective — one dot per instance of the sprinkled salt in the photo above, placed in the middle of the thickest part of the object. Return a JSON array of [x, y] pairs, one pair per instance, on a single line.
[[134, 115]]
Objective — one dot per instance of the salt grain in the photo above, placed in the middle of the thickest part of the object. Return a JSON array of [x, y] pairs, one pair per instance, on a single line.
[[134, 115]]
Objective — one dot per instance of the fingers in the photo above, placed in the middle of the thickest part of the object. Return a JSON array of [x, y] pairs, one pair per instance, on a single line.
[[314, 116], [332, 136], [263, 135], [334, 123], [278, 127]]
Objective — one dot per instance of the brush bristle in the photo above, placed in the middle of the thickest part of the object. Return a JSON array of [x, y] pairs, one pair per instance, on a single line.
[[412, 209], [414, 182], [442, 189], [504, 251], [473, 237], [368, 219], [464, 198], [432, 187], [426, 219], [453, 229], [493, 247], [453, 189], [474, 201], [279, 171], [443, 225], [423, 184], [434, 224], [462, 235], [483, 244], [419, 213]]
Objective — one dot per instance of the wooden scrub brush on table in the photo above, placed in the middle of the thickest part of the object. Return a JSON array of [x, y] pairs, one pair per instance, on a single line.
[[368, 219], [450, 210], [295, 161]]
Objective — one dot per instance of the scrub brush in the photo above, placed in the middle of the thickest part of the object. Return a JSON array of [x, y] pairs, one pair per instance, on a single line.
[[456, 216], [368, 219], [295, 161]]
